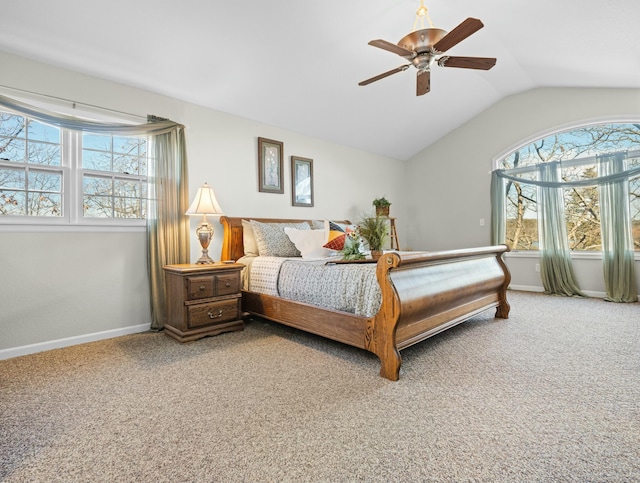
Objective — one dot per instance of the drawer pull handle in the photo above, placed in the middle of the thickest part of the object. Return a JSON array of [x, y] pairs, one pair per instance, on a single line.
[[202, 287], [228, 284], [215, 316]]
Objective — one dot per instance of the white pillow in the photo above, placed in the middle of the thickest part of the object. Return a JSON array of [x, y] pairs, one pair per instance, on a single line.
[[249, 239], [309, 242]]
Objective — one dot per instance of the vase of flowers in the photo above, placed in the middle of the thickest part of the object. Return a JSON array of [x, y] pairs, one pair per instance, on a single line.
[[352, 249]]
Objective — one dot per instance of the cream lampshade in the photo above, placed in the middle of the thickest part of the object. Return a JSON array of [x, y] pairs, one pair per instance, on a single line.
[[204, 204]]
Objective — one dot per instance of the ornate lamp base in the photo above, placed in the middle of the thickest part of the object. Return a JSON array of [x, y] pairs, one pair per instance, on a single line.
[[204, 233], [205, 259]]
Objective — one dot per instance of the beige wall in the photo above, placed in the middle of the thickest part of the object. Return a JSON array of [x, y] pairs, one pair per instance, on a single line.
[[62, 286]]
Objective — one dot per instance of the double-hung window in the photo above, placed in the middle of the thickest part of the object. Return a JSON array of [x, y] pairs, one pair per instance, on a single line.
[[114, 176], [52, 175]]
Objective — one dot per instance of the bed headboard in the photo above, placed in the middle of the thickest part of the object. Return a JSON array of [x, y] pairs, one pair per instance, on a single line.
[[232, 241]]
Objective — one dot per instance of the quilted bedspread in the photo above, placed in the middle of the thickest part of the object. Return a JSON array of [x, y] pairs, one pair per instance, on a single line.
[[345, 287]]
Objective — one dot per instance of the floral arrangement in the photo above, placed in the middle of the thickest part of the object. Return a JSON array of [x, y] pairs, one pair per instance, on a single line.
[[352, 248]]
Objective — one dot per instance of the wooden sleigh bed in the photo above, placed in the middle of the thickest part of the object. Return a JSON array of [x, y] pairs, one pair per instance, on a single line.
[[423, 293]]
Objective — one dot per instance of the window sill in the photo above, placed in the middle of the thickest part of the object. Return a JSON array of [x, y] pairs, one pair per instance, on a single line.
[[43, 227], [574, 255]]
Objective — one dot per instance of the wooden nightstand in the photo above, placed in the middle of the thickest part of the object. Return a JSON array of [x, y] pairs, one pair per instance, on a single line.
[[202, 300]]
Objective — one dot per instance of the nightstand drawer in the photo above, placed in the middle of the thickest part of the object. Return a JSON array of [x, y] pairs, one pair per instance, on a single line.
[[213, 312], [228, 284], [200, 287]]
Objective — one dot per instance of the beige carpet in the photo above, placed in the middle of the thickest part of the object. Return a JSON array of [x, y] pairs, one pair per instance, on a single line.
[[552, 394]]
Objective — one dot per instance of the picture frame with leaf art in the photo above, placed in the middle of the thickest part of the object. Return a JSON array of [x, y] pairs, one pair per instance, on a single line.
[[301, 181], [270, 166]]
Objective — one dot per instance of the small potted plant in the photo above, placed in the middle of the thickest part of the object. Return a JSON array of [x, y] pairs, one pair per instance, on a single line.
[[382, 206], [373, 229]]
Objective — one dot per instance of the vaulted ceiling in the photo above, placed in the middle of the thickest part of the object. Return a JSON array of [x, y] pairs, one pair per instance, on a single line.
[[296, 64]]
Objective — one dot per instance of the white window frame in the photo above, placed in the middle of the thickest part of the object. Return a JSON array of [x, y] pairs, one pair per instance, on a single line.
[[72, 190], [79, 175]]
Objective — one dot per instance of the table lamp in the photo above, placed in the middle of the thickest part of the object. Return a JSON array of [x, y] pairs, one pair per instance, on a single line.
[[204, 204]]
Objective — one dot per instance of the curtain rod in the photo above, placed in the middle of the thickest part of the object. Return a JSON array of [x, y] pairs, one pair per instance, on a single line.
[[74, 103]]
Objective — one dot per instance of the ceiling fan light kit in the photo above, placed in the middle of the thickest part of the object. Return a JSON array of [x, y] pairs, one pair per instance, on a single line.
[[423, 48]]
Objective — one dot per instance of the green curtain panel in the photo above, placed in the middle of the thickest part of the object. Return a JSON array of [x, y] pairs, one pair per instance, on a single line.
[[617, 241], [167, 224], [556, 268], [498, 213]]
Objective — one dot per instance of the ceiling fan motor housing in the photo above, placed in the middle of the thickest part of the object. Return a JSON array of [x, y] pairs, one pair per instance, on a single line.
[[421, 42]]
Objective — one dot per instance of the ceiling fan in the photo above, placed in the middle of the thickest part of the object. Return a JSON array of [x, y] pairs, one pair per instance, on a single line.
[[423, 48]]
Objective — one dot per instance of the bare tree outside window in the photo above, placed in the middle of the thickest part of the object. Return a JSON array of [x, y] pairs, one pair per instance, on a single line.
[[36, 159], [114, 181], [576, 150], [28, 151]]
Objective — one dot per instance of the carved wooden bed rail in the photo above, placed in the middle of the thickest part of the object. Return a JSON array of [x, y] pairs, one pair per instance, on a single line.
[[423, 293]]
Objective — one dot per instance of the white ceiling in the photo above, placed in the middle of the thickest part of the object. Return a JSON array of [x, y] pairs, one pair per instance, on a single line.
[[296, 64]]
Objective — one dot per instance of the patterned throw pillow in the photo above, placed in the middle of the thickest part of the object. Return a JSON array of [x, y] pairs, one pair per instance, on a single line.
[[272, 241], [337, 235]]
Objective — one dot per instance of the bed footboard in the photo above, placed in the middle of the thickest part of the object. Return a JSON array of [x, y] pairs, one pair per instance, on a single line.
[[426, 293]]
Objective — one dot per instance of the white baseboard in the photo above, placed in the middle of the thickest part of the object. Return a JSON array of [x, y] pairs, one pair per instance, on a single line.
[[526, 288], [533, 288], [69, 341]]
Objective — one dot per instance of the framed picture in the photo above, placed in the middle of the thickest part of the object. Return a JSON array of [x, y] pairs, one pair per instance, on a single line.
[[301, 181], [270, 166]]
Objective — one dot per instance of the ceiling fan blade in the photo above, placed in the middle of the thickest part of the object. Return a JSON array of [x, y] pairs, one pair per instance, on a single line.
[[482, 63], [386, 74], [396, 49], [424, 82], [458, 34]]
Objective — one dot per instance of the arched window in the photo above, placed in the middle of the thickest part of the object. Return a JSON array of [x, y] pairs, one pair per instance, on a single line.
[[576, 152], [576, 190]]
